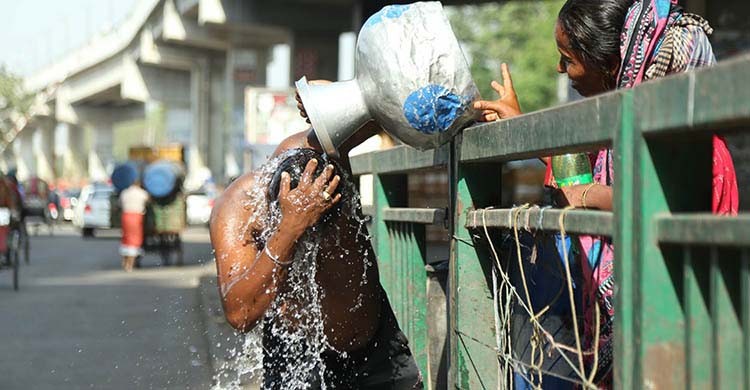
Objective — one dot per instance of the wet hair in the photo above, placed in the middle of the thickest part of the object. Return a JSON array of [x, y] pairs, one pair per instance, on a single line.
[[295, 164], [594, 28]]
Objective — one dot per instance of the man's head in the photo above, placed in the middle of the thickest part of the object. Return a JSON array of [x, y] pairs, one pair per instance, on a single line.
[[294, 164]]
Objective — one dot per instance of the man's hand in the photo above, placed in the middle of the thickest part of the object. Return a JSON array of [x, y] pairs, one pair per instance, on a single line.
[[300, 106], [303, 206], [506, 106]]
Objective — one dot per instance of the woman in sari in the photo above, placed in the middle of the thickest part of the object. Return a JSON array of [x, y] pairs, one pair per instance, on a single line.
[[606, 45]]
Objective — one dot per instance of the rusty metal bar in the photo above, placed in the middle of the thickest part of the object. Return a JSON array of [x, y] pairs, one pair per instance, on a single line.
[[576, 221], [400, 159], [703, 229], [425, 216]]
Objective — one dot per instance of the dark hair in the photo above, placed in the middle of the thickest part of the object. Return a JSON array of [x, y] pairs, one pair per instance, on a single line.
[[593, 28], [295, 164]]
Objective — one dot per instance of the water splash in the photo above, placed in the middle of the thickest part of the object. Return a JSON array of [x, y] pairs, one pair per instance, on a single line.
[[295, 317]]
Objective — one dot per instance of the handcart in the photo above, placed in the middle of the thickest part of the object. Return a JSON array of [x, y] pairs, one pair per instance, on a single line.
[[164, 223]]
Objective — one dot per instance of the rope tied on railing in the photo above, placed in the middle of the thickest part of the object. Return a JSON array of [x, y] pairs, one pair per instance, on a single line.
[[503, 294]]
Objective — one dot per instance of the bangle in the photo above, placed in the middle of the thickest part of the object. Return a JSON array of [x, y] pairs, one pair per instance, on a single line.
[[275, 259], [586, 192]]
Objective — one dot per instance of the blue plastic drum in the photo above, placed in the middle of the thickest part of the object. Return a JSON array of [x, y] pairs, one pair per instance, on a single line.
[[162, 179], [124, 175]]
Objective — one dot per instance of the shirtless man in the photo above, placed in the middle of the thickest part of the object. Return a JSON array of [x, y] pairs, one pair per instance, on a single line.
[[357, 317]]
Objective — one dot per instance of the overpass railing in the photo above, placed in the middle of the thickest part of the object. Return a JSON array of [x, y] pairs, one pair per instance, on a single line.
[[682, 299]]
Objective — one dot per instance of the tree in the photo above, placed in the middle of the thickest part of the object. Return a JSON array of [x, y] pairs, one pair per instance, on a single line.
[[15, 104], [520, 33]]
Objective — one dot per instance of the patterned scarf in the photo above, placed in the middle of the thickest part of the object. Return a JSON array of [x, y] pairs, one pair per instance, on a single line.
[[644, 26], [654, 43]]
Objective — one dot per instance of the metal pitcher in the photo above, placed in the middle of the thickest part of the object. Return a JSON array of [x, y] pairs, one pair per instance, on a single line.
[[412, 78]]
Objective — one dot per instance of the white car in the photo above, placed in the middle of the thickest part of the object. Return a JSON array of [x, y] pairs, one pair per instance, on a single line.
[[93, 209], [199, 206]]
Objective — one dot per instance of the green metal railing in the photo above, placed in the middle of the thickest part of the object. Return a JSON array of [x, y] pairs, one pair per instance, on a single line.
[[682, 296]]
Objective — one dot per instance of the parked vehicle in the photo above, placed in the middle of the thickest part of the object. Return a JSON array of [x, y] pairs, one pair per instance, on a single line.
[[53, 206], [199, 206], [93, 209], [68, 201]]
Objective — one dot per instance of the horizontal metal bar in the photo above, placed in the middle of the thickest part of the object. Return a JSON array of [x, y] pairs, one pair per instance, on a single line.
[[714, 99], [415, 215], [368, 209], [579, 126], [535, 218], [703, 229], [400, 159]]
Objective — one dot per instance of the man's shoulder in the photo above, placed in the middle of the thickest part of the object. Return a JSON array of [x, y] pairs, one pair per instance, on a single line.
[[294, 141], [236, 191]]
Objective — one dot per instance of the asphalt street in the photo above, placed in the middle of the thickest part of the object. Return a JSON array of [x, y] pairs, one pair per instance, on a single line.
[[79, 321]]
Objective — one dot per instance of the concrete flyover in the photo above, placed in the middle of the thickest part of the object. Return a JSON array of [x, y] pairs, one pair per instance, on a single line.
[[174, 71]]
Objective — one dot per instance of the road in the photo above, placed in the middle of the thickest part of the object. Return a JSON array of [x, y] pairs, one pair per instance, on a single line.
[[80, 322]]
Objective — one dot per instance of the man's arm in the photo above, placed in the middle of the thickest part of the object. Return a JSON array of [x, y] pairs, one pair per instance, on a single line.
[[248, 275]]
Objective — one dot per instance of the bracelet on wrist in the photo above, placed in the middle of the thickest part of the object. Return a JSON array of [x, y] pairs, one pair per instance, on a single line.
[[586, 192], [275, 259]]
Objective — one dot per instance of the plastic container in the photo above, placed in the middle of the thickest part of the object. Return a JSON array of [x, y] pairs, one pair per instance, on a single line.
[[163, 179], [572, 169], [124, 175]]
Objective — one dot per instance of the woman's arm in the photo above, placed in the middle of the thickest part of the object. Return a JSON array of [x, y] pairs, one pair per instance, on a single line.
[[597, 196], [249, 272]]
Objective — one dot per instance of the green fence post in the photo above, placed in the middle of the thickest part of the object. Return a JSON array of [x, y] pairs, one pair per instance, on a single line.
[[389, 191], [654, 175], [473, 351], [400, 247], [699, 353], [417, 289], [626, 273]]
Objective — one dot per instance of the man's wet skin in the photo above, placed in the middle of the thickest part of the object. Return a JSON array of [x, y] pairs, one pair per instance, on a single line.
[[351, 302]]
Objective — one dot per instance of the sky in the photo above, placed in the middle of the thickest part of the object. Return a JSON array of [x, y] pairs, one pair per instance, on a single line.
[[37, 32]]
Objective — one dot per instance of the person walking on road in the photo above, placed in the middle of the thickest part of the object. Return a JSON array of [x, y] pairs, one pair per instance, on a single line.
[[133, 204]]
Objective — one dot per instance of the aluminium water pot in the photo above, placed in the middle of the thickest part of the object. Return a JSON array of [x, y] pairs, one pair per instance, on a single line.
[[412, 78]]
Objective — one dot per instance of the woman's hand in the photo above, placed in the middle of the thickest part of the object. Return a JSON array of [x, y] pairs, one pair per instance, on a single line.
[[303, 206], [506, 106], [597, 196]]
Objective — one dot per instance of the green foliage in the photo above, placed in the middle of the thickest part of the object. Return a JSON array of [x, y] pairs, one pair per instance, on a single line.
[[519, 33], [14, 101]]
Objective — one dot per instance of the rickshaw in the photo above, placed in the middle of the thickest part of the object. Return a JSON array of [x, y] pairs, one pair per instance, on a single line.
[[36, 200], [12, 236]]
